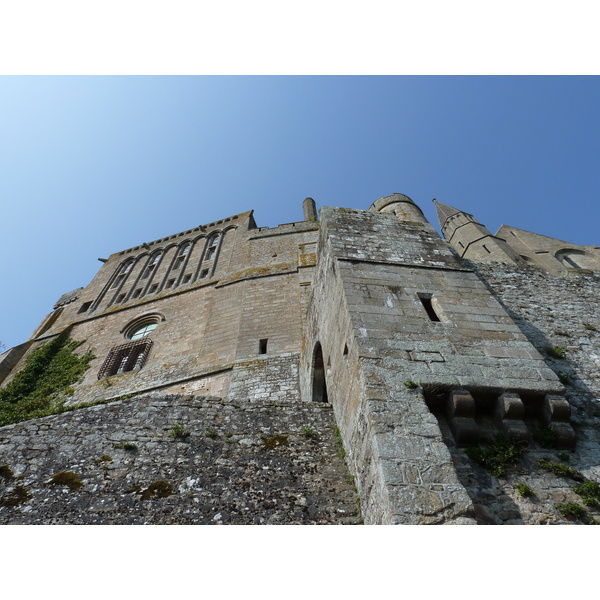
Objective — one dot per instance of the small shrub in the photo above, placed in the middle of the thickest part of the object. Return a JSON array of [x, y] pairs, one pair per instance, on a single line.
[[178, 432], [106, 458], [276, 440], [309, 431], [589, 327], [524, 490], [16, 496], [589, 492], [556, 352], [564, 456], [211, 432], [129, 446], [571, 511], [546, 437], [497, 456], [411, 385], [560, 469], [158, 489], [67, 479], [6, 472], [565, 378]]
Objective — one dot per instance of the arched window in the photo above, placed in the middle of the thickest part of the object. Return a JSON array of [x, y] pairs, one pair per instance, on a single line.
[[142, 326], [319, 385], [573, 259], [150, 268], [143, 331], [212, 247], [124, 270], [183, 252]]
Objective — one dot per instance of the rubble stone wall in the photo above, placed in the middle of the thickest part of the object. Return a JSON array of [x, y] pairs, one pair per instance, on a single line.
[[173, 459]]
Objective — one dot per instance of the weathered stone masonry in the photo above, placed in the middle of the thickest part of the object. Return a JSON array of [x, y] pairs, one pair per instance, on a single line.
[[228, 358]]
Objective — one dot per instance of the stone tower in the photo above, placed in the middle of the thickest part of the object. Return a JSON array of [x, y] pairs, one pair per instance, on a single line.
[[471, 239]]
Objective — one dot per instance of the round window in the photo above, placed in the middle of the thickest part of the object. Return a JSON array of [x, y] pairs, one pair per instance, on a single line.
[[142, 331]]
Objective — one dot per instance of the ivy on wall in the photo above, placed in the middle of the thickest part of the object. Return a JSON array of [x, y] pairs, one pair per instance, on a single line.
[[41, 387]]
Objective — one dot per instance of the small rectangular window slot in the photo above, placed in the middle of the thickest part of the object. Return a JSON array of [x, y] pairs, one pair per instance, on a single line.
[[154, 288], [170, 283], [203, 273], [262, 346], [84, 307], [187, 278], [137, 293], [345, 349], [426, 301], [120, 298]]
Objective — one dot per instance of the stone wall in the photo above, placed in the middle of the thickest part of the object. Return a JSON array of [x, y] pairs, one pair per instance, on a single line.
[[552, 311], [163, 459]]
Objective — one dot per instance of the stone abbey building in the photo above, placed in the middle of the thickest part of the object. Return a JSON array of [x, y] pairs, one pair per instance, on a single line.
[[347, 368]]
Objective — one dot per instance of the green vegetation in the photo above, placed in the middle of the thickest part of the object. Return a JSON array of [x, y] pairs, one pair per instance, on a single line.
[[524, 490], [276, 440], [589, 327], [565, 378], [178, 432], [560, 469], [589, 492], [411, 385], [68, 479], [309, 432], [211, 432], [497, 456], [546, 437], [571, 510], [339, 442], [106, 458], [157, 489], [16, 496], [564, 456], [41, 387], [556, 352]]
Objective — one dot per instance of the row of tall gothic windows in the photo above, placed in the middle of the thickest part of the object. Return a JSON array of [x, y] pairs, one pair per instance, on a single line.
[[177, 273]]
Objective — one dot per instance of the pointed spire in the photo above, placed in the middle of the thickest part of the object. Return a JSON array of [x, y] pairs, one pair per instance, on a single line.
[[444, 212]]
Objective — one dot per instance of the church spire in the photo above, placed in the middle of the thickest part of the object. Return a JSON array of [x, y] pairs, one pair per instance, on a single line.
[[470, 238], [444, 212]]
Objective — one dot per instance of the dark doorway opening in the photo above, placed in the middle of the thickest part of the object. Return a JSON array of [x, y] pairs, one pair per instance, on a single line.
[[319, 385]]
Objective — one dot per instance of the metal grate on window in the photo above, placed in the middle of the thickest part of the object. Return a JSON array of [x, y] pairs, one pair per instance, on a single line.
[[126, 357]]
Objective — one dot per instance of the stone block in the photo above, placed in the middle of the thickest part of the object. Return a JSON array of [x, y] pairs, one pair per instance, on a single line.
[[460, 404], [555, 409]]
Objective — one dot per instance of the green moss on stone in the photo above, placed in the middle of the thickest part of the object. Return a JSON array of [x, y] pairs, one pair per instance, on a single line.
[[67, 479]]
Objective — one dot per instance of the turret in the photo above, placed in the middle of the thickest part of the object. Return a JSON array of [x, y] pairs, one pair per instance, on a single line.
[[402, 206], [471, 239]]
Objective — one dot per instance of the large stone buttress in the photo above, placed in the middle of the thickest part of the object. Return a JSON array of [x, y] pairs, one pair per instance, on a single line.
[[413, 344]]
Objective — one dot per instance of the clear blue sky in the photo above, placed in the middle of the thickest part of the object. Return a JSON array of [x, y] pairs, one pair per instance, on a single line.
[[92, 165]]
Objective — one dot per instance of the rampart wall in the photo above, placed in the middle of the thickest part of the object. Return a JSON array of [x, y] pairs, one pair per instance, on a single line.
[[172, 459]]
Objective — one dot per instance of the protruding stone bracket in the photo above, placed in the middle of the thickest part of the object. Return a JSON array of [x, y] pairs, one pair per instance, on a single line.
[[509, 415], [556, 412], [460, 410]]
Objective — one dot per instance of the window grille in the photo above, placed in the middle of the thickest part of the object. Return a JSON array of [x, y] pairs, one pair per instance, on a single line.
[[126, 357]]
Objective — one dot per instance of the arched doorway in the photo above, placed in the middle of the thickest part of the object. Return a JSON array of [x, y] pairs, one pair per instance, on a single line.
[[319, 385]]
